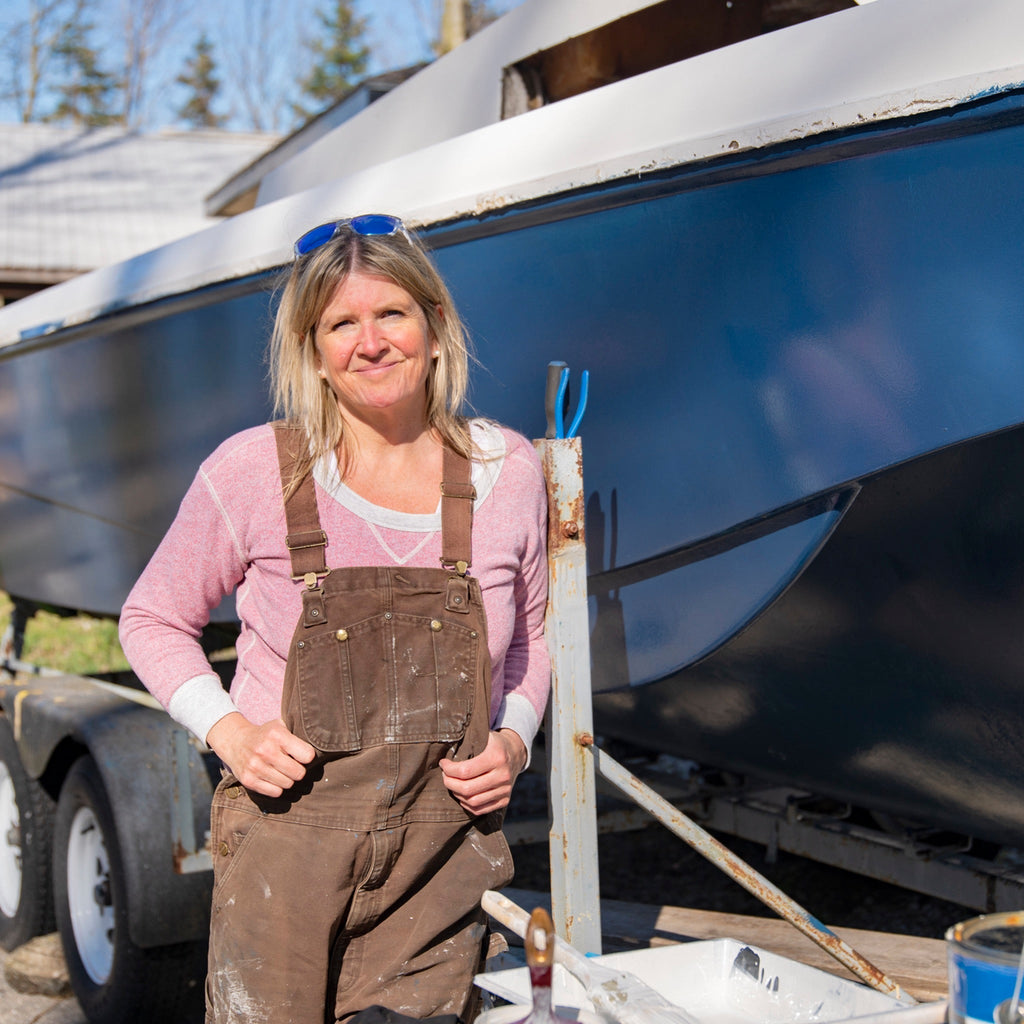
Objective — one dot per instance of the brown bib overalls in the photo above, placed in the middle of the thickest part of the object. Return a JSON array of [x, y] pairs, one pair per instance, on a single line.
[[361, 884]]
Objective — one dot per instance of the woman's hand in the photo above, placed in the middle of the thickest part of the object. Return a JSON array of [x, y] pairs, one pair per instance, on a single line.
[[484, 783], [267, 759]]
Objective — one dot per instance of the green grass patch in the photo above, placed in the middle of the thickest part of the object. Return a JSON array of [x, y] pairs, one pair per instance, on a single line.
[[79, 645]]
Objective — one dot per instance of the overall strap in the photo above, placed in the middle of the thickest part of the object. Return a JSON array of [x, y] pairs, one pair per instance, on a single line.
[[457, 497], [307, 542]]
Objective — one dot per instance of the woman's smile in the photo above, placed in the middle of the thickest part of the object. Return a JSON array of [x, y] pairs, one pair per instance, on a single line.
[[375, 350]]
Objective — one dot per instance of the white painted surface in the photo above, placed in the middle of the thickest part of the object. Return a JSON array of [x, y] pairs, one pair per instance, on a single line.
[[704, 979], [454, 95], [881, 61]]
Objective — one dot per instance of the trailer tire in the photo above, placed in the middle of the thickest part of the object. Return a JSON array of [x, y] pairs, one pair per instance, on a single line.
[[113, 979], [26, 836]]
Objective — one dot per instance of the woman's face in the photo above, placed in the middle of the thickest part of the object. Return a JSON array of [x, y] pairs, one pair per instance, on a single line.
[[375, 350]]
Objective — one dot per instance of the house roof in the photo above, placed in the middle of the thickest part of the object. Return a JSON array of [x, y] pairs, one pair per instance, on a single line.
[[74, 199]]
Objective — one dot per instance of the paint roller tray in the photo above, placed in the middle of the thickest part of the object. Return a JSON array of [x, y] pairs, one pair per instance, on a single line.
[[719, 981]]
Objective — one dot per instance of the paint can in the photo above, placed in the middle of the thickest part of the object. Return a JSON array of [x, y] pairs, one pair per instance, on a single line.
[[983, 957]]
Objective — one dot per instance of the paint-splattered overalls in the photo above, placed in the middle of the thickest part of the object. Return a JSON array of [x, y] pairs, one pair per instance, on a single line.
[[361, 885]]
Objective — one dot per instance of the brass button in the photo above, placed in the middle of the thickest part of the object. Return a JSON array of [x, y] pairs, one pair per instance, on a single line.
[[341, 634], [435, 625], [234, 792], [224, 849], [473, 634]]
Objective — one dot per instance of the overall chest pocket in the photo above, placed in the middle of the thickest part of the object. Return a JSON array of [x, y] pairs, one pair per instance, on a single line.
[[392, 678]]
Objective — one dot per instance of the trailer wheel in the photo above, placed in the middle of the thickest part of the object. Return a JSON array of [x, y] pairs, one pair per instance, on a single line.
[[26, 831], [114, 980]]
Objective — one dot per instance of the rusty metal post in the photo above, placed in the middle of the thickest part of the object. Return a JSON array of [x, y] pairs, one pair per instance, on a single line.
[[575, 892]]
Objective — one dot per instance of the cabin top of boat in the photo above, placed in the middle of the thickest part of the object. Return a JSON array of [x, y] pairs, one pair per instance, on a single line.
[[869, 64]]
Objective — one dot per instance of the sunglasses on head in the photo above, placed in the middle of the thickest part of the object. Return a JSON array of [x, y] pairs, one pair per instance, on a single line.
[[366, 224]]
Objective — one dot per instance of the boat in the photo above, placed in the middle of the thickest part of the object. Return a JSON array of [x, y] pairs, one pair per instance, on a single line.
[[792, 267]]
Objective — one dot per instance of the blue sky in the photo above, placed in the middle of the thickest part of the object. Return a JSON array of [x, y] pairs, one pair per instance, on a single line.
[[398, 33]]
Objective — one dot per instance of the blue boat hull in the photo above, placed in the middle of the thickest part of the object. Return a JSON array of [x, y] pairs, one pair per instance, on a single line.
[[802, 451], [889, 673]]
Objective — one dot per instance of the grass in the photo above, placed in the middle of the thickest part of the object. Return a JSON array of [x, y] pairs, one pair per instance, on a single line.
[[79, 645]]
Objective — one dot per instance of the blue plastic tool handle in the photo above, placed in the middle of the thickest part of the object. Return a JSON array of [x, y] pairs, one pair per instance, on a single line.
[[563, 387]]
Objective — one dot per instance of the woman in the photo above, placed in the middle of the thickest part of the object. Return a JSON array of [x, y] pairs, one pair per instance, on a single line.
[[385, 697]]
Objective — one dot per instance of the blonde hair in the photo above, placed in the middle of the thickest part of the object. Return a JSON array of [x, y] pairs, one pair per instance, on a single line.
[[300, 395]]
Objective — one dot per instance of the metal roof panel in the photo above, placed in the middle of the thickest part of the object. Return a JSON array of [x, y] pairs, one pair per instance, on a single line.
[[74, 199]]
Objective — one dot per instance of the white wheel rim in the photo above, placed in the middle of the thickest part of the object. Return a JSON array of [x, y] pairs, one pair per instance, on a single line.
[[89, 902], [10, 845]]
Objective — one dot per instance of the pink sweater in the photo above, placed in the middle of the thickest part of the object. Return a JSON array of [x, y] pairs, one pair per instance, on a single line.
[[229, 533]]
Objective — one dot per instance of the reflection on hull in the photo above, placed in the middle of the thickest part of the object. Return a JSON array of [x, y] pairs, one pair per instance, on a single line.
[[101, 434], [889, 673], [802, 449]]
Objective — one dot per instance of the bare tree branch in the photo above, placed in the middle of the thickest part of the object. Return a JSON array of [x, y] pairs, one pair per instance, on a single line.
[[262, 62], [427, 15], [147, 27], [29, 49]]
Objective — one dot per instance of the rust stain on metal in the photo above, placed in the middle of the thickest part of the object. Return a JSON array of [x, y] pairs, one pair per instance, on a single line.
[[572, 530], [566, 508], [567, 531], [563, 470], [578, 452], [487, 203], [178, 856]]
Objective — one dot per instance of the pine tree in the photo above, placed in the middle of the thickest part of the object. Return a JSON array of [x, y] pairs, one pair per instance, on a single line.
[[27, 46], [340, 57], [87, 92], [199, 76], [147, 27]]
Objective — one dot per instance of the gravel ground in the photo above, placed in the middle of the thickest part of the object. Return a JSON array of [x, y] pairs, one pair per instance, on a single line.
[[19, 1008]]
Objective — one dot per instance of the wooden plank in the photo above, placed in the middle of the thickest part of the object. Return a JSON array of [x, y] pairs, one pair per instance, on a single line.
[[917, 964]]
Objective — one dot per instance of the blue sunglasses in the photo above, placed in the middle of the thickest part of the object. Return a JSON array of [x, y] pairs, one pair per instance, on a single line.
[[367, 224]]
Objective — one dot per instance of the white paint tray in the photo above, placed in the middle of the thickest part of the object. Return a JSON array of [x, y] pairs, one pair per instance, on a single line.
[[719, 981]]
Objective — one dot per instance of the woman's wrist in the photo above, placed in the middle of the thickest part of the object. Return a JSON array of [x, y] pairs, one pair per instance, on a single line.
[[518, 755]]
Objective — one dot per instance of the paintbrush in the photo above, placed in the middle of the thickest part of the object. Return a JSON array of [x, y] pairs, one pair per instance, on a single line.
[[617, 995]]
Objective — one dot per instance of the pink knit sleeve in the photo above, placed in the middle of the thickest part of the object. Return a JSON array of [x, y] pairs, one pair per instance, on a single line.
[[197, 563], [527, 668]]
